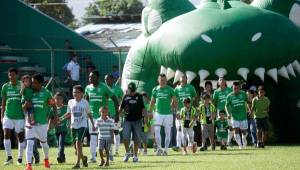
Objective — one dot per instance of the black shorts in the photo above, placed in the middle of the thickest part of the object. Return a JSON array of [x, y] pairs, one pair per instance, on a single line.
[[262, 124]]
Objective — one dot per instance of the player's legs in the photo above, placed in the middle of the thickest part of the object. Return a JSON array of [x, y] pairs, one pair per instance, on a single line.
[[244, 128], [30, 137], [167, 123], [41, 134], [157, 127], [7, 128], [230, 132], [19, 129], [178, 134], [204, 134], [93, 141]]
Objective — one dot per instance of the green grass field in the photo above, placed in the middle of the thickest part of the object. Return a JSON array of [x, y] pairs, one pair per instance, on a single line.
[[272, 157]]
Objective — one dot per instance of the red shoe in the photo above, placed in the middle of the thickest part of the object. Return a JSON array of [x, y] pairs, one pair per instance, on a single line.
[[28, 166], [46, 163]]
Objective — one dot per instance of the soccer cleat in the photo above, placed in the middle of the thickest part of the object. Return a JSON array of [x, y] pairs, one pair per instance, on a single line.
[[28, 167], [8, 161], [76, 166], [159, 152], [126, 157], [102, 163], [202, 149], [176, 149], [84, 161], [92, 160], [135, 159], [19, 161], [46, 163]]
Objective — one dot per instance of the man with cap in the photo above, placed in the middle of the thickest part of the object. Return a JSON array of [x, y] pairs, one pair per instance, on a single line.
[[134, 110]]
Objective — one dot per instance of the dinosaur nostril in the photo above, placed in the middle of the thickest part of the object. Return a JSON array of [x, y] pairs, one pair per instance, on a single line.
[[256, 36], [206, 38]]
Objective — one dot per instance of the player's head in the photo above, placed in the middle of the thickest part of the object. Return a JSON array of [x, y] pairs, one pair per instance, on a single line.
[[59, 98], [109, 79], [222, 82], [222, 114], [37, 81], [103, 111], [162, 80], [12, 74], [131, 87], [78, 92], [26, 80], [183, 79], [187, 102], [261, 91], [236, 87], [94, 77]]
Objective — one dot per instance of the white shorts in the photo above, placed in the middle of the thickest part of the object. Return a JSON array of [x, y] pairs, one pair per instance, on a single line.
[[229, 122], [37, 131], [240, 124], [163, 120], [18, 125], [91, 131]]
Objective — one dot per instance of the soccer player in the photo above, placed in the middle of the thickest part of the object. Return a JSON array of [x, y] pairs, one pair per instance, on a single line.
[[236, 109], [260, 108], [182, 92], [109, 80], [221, 125], [105, 126], [12, 116], [79, 110], [219, 100], [41, 101], [163, 97], [97, 94]]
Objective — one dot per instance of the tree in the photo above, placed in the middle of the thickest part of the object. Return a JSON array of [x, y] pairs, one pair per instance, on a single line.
[[113, 8], [57, 10]]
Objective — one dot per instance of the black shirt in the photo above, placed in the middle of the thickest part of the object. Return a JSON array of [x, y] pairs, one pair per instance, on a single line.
[[133, 107]]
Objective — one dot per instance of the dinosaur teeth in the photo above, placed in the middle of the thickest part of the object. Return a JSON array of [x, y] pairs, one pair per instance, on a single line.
[[190, 76], [243, 72], [283, 72], [203, 74], [221, 72], [273, 74], [163, 70], [290, 70], [296, 66], [170, 73], [260, 72], [178, 75]]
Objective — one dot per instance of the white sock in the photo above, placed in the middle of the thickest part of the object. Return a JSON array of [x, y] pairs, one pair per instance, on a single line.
[[21, 147], [237, 138], [167, 137], [178, 138], [230, 136], [7, 146], [157, 136], [117, 142], [244, 138], [29, 150], [45, 147], [93, 146]]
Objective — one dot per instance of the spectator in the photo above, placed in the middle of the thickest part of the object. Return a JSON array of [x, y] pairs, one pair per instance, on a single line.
[[73, 69], [115, 72]]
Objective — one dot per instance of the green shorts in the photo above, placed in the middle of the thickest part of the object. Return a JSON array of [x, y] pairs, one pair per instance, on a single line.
[[79, 134]]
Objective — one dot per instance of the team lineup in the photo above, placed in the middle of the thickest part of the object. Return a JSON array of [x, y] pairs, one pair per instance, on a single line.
[[103, 110]]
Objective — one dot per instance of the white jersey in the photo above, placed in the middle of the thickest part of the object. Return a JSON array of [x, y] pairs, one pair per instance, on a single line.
[[79, 111]]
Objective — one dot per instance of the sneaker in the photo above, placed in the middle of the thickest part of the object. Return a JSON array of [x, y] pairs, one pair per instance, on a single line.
[[165, 153], [8, 161], [92, 160], [262, 145], [213, 147], [135, 159], [202, 149], [46, 163], [176, 149], [126, 157], [240, 147], [59, 160], [76, 166], [28, 167], [102, 163], [19, 161], [84, 161], [159, 152], [37, 161], [224, 148], [155, 148]]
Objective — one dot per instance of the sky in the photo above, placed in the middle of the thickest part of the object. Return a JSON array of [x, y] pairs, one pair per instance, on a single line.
[[78, 6]]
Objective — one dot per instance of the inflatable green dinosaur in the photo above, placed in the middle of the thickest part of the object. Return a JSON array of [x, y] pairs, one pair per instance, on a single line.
[[257, 42]]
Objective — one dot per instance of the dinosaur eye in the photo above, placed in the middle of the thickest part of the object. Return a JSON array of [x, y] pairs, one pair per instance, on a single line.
[[294, 13], [256, 36], [206, 38]]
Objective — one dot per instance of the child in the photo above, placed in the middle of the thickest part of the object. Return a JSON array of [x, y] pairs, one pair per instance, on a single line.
[[260, 108], [105, 127], [222, 129], [79, 109], [27, 93], [61, 128], [188, 117], [207, 115]]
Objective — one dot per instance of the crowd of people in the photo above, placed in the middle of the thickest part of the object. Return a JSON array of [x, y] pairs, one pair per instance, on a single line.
[[102, 110]]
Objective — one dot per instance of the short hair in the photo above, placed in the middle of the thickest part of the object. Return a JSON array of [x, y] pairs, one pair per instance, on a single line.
[[261, 88], [26, 76], [12, 69], [38, 77], [187, 100], [162, 75], [236, 83], [222, 112], [207, 83], [78, 87], [58, 94], [103, 107], [95, 72]]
